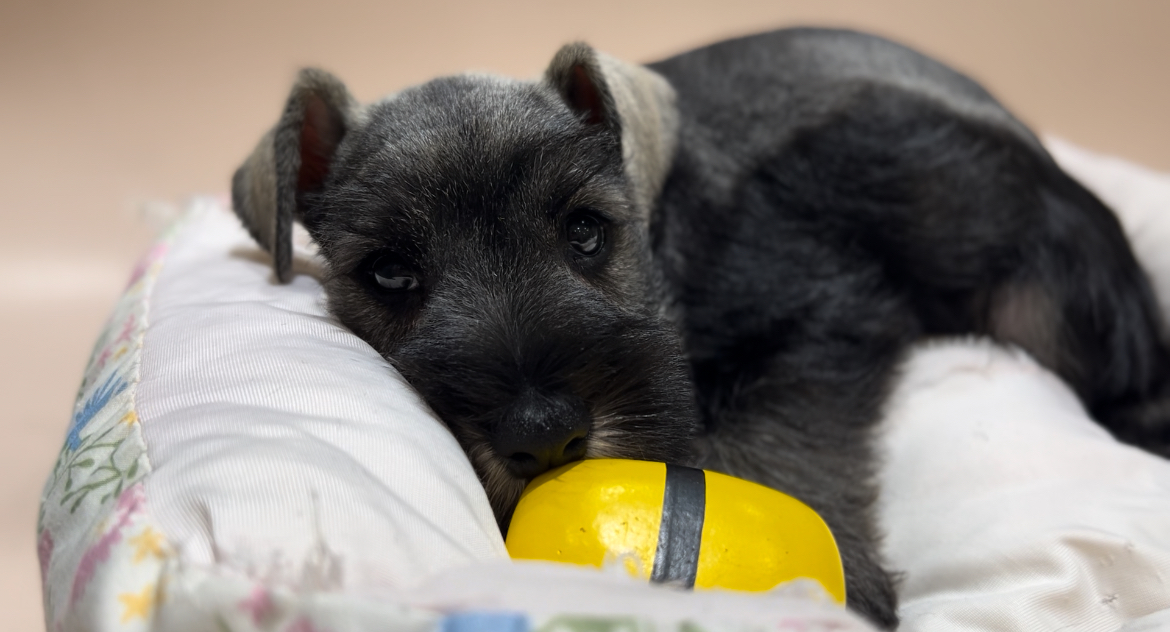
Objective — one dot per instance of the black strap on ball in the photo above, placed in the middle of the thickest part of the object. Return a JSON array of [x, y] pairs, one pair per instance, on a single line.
[[684, 503]]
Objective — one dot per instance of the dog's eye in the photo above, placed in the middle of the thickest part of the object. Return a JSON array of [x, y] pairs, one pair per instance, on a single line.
[[392, 275], [585, 233]]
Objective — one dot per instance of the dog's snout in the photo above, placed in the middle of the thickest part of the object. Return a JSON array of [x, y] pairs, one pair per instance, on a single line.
[[541, 431]]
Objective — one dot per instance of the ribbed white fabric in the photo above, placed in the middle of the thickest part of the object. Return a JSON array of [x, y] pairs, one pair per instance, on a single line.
[[282, 444], [1007, 508]]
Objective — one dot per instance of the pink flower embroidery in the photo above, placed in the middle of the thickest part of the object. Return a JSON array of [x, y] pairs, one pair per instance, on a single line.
[[258, 604], [101, 361], [123, 336], [127, 329], [129, 503], [151, 257], [303, 624], [45, 553]]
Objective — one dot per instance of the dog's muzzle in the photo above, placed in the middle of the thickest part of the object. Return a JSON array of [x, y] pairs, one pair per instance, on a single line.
[[540, 431]]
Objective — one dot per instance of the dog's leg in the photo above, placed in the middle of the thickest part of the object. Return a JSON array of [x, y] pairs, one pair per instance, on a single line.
[[989, 236], [1081, 305], [804, 427], [793, 341], [809, 437]]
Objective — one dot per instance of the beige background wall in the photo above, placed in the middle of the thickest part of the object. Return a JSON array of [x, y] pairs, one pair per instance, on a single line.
[[105, 106]]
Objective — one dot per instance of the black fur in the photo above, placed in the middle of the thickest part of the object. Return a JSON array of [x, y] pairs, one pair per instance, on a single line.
[[469, 183], [832, 197], [866, 217]]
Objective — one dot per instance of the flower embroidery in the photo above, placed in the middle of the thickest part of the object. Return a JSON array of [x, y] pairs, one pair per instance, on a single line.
[[92, 406], [129, 503], [156, 253], [303, 624], [137, 604], [45, 552], [94, 463], [149, 542], [89, 528], [258, 604], [127, 330]]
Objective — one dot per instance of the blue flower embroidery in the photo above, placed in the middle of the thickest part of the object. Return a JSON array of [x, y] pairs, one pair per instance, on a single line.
[[485, 622], [95, 403]]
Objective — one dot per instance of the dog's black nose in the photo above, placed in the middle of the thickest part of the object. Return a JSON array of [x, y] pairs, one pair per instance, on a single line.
[[541, 431]]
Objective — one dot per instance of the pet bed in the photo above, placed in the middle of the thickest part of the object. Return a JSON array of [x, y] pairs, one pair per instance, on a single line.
[[239, 461]]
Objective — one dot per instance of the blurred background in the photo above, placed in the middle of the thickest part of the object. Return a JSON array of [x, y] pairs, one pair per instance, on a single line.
[[110, 109]]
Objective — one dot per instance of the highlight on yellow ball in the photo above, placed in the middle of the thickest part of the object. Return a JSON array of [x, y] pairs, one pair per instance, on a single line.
[[676, 525]]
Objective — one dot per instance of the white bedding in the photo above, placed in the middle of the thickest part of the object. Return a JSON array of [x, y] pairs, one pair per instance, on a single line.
[[239, 460]]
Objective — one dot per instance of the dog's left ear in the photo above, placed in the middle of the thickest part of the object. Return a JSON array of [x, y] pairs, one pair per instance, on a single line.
[[576, 74], [633, 102], [293, 158]]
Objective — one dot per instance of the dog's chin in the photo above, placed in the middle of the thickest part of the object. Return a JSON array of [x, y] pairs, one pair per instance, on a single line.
[[504, 488]]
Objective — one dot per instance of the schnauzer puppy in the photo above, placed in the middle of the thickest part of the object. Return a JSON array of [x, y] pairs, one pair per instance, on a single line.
[[717, 259]]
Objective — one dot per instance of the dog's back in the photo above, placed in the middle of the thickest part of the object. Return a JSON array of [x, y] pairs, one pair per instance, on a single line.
[[758, 90], [882, 158], [835, 196]]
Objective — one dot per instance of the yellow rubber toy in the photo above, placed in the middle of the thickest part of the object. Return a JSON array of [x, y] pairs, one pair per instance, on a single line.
[[674, 524]]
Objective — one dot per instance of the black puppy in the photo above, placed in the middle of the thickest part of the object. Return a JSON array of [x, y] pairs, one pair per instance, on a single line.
[[717, 259]]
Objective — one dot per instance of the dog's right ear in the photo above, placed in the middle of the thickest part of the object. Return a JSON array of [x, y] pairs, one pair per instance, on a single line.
[[631, 101], [292, 158]]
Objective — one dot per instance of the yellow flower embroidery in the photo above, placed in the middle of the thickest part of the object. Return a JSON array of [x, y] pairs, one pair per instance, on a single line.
[[137, 605], [149, 542], [121, 351], [130, 418]]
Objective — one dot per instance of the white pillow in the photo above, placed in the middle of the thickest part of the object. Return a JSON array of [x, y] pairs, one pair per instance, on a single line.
[[1005, 505], [240, 460], [276, 436], [252, 465]]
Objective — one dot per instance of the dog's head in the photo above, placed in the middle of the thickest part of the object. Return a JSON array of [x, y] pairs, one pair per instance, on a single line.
[[490, 237]]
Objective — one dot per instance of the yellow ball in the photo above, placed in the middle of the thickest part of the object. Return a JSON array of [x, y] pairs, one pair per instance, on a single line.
[[674, 524]]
